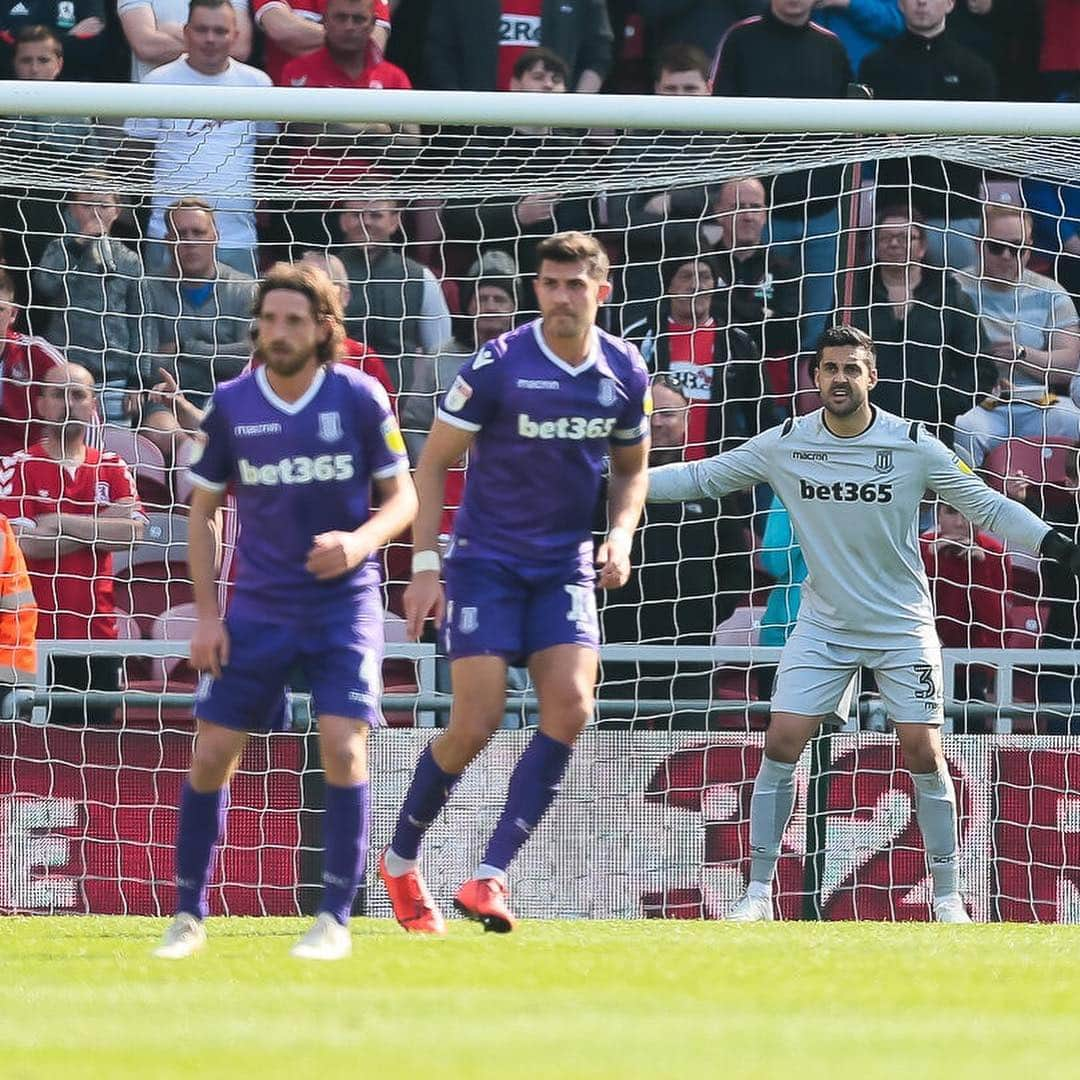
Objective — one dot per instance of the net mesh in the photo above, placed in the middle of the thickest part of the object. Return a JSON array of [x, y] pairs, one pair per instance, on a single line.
[[88, 811]]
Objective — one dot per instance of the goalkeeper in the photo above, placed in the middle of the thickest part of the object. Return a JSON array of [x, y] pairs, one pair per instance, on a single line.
[[852, 477]]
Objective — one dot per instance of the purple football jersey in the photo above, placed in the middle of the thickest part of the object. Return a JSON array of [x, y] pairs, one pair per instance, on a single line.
[[297, 469], [543, 430]]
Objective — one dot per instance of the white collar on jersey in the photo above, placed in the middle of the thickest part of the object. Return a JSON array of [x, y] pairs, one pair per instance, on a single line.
[[590, 360], [290, 407]]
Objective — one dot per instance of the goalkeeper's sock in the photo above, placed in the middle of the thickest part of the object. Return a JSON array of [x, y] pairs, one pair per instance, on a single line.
[[935, 808], [770, 810], [345, 840], [428, 793], [202, 821], [534, 783]]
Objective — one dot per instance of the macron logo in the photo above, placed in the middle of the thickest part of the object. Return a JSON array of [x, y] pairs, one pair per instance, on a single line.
[[538, 384], [271, 428]]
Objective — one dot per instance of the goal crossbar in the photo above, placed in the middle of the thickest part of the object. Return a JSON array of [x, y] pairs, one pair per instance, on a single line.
[[627, 112]]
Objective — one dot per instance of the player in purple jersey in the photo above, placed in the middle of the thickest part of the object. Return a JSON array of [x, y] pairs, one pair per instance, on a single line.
[[302, 441], [539, 411]]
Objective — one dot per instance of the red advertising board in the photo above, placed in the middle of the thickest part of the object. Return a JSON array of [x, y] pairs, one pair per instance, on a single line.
[[652, 824], [89, 822]]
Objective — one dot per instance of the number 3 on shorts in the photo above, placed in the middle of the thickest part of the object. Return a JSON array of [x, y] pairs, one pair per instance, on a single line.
[[925, 674]]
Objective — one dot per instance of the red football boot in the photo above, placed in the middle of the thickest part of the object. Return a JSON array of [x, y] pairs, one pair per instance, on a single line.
[[484, 899], [413, 906]]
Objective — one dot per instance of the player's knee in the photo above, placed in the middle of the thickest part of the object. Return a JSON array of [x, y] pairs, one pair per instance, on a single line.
[[783, 745], [923, 759], [565, 717], [211, 768], [344, 764], [470, 731]]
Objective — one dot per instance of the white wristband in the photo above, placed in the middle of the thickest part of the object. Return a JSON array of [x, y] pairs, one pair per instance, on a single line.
[[620, 534], [423, 561]]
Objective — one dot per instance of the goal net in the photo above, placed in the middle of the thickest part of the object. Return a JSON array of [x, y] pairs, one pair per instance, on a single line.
[[737, 231]]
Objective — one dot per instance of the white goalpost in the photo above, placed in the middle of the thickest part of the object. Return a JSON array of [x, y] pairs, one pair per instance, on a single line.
[[653, 821]]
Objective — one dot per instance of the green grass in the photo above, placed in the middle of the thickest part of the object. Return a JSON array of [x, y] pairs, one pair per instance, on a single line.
[[81, 997]]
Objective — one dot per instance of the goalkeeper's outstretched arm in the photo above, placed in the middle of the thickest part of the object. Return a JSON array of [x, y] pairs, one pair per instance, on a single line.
[[990, 510], [714, 477]]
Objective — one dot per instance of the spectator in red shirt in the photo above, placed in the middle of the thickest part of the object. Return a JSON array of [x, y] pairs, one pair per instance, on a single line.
[[295, 28], [72, 506], [350, 59], [717, 366], [357, 354], [328, 153], [23, 363], [971, 582]]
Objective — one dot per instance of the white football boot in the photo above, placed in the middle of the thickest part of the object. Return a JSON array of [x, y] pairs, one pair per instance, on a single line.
[[751, 909], [951, 909], [185, 935], [326, 940]]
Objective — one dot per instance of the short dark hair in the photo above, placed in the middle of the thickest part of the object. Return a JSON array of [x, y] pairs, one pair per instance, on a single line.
[[212, 4], [7, 286], [680, 57], [902, 211], [571, 247], [850, 337], [672, 383], [553, 63], [671, 266], [31, 35]]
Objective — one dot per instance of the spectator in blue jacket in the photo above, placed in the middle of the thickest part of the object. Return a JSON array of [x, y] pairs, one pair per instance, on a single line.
[[781, 557], [862, 25]]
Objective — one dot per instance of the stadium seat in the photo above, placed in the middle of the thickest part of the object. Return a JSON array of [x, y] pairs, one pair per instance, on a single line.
[[148, 589], [1044, 463], [399, 675], [176, 624], [164, 540], [1024, 630], [742, 627], [146, 462], [182, 485]]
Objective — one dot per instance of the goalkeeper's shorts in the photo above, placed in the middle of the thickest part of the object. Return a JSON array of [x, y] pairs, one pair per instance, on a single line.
[[339, 660], [497, 608], [817, 678]]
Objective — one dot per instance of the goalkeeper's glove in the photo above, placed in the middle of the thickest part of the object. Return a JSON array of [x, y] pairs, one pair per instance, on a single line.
[[1056, 546]]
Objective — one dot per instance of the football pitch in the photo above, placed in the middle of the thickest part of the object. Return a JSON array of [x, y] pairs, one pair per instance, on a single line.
[[81, 997]]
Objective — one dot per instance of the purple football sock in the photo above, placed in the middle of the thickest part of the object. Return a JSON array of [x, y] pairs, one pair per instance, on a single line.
[[345, 842], [533, 786], [202, 821], [428, 793]]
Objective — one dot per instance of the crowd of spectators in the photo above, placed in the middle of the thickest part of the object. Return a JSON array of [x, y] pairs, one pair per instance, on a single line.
[[118, 318]]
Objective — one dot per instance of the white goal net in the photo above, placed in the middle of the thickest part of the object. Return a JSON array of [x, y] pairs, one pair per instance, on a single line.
[[737, 231]]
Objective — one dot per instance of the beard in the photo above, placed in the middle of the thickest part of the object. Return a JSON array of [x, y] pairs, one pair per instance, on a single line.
[[285, 360], [844, 406]]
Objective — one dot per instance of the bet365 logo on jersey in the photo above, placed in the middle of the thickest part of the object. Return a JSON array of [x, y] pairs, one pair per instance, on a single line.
[[297, 470], [846, 491], [565, 427]]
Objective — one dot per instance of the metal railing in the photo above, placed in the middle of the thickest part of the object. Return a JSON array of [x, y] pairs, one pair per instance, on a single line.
[[428, 700]]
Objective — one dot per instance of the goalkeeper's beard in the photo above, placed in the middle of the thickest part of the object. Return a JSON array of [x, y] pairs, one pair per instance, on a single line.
[[845, 406]]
